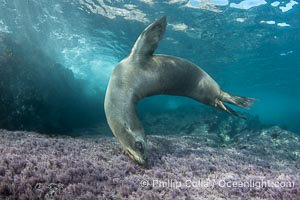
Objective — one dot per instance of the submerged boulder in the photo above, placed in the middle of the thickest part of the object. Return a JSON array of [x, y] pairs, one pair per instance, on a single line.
[[39, 94]]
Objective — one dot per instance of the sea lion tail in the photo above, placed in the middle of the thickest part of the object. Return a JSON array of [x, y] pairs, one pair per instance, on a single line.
[[243, 102]]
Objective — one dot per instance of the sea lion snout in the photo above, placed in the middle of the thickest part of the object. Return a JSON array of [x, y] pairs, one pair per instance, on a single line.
[[138, 152], [135, 144]]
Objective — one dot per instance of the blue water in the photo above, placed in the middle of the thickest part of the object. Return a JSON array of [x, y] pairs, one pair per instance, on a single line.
[[250, 48]]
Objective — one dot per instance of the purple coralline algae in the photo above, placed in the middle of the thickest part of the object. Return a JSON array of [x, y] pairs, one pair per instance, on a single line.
[[206, 163]]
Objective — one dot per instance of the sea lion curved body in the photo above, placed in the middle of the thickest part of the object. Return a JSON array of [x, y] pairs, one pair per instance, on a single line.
[[143, 74]]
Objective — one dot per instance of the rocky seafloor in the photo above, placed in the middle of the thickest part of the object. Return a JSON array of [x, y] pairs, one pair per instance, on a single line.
[[200, 160]]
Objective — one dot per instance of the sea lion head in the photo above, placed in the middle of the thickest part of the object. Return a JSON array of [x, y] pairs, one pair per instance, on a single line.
[[134, 143]]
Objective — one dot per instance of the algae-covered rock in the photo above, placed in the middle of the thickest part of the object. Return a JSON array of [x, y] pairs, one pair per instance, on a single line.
[[259, 166]]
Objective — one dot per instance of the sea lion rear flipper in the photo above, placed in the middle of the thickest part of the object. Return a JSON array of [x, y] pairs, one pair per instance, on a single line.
[[242, 102], [233, 112], [148, 40], [226, 108]]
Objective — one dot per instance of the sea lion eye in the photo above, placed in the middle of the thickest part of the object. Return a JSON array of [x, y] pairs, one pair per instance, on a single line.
[[139, 146]]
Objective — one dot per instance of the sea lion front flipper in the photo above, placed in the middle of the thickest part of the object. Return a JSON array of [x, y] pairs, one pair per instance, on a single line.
[[148, 40]]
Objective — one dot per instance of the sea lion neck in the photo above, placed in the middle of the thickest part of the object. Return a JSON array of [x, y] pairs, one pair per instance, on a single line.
[[125, 111]]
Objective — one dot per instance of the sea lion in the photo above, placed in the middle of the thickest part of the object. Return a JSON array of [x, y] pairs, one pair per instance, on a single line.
[[142, 74]]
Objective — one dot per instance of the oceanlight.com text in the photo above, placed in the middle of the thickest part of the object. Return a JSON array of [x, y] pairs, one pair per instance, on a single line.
[[171, 183]]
